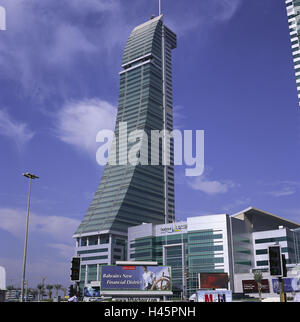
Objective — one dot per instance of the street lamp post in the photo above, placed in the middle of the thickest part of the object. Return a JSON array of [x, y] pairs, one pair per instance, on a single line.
[[30, 177]]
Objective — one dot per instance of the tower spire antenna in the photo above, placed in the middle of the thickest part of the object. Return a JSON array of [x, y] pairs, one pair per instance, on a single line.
[[159, 5]]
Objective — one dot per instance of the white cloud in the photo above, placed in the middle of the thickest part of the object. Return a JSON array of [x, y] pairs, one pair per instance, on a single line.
[[56, 233], [48, 41], [56, 272], [225, 9], [179, 117], [282, 188], [95, 5], [201, 16], [59, 228], [210, 187], [236, 205], [66, 251], [284, 191], [17, 131], [79, 122], [68, 41], [294, 213]]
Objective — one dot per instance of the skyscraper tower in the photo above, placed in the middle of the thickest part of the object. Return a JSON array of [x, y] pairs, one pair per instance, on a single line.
[[129, 195], [293, 12]]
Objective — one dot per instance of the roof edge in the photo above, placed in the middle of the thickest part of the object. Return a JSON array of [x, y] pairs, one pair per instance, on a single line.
[[264, 212]]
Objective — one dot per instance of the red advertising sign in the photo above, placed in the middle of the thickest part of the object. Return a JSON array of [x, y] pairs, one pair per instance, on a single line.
[[213, 280], [129, 268], [208, 298]]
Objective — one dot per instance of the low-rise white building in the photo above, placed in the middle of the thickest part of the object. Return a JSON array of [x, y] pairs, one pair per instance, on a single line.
[[236, 245]]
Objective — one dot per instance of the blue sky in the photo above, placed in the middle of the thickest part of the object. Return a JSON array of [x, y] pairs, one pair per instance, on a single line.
[[59, 81]]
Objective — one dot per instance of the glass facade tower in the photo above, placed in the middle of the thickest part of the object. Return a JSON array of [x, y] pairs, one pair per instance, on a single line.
[[293, 12], [129, 195]]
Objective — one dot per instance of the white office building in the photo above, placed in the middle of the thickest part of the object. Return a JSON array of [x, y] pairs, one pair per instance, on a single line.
[[236, 245]]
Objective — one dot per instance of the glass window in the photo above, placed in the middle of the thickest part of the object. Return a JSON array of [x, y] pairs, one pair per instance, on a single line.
[[104, 239], [261, 251], [262, 263], [83, 241], [93, 240]]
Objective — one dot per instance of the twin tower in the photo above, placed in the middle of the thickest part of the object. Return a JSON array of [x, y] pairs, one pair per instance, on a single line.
[[129, 195]]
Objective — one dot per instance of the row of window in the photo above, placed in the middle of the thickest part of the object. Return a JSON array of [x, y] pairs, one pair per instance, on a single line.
[[102, 250], [94, 258], [99, 240], [265, 251], [270, 240], [266, 262], [203, 241], [207, 236]]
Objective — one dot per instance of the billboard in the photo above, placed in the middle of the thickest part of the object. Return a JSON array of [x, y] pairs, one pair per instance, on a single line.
[[250, 286], [214, 296], [90, 291], [213, 280], [136, 278], [290, 285]]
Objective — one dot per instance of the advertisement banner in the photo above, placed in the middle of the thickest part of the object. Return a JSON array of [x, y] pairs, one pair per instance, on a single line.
[[214, 280], [136, 299], [214, 296], [290, 285], [138, 278], [250, 286], [90, 291]]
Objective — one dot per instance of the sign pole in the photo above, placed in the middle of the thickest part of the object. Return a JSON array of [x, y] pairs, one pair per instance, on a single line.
[[281, 286]]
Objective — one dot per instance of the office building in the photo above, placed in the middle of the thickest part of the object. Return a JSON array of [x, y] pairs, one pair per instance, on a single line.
[[293, 12], [236, 245], [254, 231], [129, 195], [199, 244]]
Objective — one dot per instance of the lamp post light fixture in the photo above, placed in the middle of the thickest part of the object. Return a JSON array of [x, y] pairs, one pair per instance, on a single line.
[[30, 177]]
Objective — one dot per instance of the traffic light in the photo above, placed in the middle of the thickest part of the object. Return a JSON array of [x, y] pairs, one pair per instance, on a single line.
[[75, 269], [284, 270], [275, 259], [71, 291]]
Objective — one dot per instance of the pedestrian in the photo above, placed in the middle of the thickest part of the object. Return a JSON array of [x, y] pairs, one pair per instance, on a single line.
[[73, 299]]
